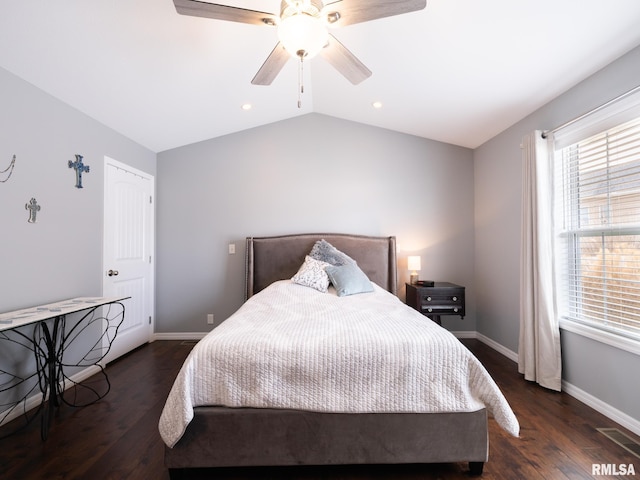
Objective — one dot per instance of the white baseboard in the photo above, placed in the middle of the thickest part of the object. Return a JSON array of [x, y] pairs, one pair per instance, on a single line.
[[604, 408], [466, 334], [511, 355], [598, 405], [35, 400], [179, 336]]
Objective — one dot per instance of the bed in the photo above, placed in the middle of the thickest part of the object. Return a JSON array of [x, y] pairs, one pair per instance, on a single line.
[[247, 425]]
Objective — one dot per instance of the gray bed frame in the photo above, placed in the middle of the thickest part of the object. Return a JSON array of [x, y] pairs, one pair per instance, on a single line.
[[250, 437]]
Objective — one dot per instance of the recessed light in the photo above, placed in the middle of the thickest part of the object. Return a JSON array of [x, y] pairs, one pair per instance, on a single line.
[[377, 104], [246, 106]]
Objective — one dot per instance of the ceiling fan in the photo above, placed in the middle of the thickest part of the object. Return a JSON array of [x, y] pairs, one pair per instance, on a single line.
[[303, 29]]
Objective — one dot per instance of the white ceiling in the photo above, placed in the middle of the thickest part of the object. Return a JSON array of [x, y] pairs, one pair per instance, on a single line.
[[460, 71]]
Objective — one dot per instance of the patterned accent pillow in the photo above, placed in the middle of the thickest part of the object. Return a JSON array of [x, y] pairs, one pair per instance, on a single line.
[[312, 274], [325, 252]]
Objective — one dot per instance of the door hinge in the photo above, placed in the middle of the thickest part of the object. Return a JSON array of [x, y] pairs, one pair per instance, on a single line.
[[149, 258], [149, 319], [150, 199]]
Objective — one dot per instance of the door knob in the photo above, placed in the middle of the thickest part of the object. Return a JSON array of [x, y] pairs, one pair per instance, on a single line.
[[112, 273]]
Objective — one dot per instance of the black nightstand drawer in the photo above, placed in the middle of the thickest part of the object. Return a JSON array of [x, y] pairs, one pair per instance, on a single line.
[[450, 302], [442, 299], [441, 309]]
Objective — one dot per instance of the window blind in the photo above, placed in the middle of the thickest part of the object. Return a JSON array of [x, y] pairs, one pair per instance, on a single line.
[[597, 228]]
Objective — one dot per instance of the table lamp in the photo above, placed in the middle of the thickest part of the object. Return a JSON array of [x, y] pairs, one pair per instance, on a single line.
[[413, 263]]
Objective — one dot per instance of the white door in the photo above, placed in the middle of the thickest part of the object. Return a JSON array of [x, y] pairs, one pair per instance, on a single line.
[[128, 252]]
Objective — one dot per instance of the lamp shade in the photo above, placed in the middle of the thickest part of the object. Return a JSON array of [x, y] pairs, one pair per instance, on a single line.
[[303, 33], [413, 262]]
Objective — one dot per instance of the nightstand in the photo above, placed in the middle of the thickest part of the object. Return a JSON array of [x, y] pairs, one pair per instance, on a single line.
[[443, 298]]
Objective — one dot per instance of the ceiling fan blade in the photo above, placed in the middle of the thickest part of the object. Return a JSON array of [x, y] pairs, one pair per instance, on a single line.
[[344, 61], [195, 8], [271, 66], [358, 11]]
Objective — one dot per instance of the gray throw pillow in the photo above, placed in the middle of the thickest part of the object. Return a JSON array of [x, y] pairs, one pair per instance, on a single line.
[[325, 252], [348, 279]]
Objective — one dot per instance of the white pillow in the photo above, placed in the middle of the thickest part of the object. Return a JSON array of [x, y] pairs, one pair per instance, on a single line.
[[312, 274]]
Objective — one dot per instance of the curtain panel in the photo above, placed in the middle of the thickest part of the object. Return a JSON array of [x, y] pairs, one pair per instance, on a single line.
[[539, 353]]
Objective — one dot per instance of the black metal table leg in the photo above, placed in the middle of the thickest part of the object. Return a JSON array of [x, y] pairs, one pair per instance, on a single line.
[[49, 372]]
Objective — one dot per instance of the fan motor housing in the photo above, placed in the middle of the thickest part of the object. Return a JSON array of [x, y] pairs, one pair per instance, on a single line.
[[293, 7]]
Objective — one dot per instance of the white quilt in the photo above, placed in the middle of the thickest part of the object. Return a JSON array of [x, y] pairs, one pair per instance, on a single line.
[[293, 347]]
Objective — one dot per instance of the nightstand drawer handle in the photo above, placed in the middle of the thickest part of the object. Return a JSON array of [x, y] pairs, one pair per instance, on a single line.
[[455, 299], [428, 299], [430, 310], [455, 310]]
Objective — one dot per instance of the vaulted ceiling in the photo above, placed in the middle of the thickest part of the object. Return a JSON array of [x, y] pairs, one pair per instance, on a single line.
[[459, 71]]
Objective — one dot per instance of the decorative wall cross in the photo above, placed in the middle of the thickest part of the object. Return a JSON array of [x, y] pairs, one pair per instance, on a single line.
[[79, 168], [33, 208]]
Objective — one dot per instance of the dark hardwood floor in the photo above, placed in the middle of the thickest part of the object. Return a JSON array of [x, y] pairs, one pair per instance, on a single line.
[[118, 438]]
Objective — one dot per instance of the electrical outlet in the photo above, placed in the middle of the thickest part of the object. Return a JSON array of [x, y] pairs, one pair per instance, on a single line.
[[210, 318], [232, 248]]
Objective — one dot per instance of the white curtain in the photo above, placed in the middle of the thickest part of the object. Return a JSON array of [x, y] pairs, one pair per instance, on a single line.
[[539, 357]]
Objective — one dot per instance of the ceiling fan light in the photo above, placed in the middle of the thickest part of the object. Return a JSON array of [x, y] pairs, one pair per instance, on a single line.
[[302, 32]]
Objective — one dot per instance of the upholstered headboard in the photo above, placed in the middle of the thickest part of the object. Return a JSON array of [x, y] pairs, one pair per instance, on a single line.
[[269, 259]]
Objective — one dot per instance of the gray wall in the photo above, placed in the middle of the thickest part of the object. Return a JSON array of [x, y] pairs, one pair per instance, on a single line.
[[309, 174], [498, 189], [60, 256]]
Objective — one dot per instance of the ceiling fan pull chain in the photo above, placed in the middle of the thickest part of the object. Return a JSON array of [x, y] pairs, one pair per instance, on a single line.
[[300, 78]]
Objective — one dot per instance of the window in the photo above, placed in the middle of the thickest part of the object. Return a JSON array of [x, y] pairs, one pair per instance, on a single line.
[[597, 228]]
